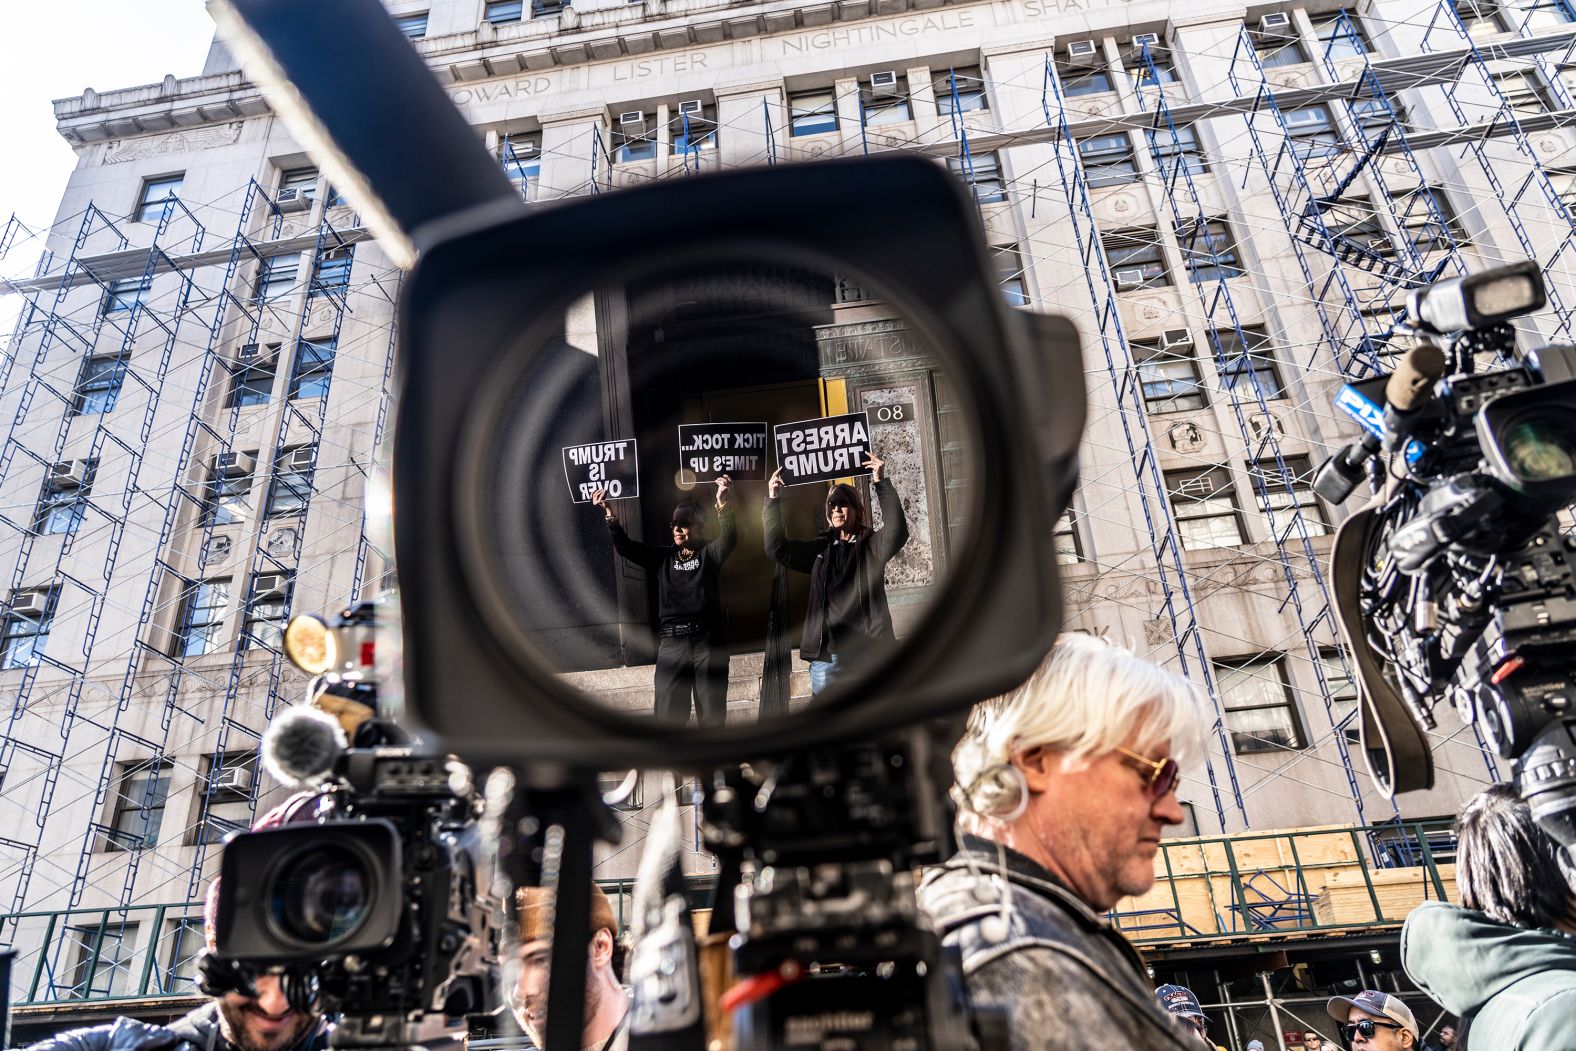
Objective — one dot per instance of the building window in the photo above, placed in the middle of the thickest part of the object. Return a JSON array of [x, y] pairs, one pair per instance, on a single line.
[[125, 294], [1275, 52], [1108, 160], [1524, 92], [1078, 81], [634, 138], [179, 976], [521, 157], [1544, 14], [98, 388], [812, 113], [102, 965], [1009, 274], [291, 488], [882, 102], [155, 192], [1276, 499], [331, 272], [1260, 712], [413, 26], [1204, 504], [1342, 694], [1244, 351], [499, 12], [228, 487], [981, 173], [26, 627], [267, 607], [1169, 377], [276, 277], [140, 795], [1176, 154], [252, 378], [1312, 132], [1341, 37], [1427, 221], [224, 797], [1135, 259], [1564, 184], [1064, 539], [695, 130], [301, 180], [1372, 117], [64, 497], [201, 619], [960, 90], [314, 367], [1208, 251], [1480, 18], [1151, 73]]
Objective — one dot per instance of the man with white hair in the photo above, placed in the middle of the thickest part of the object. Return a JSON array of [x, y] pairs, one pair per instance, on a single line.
[[1063, 789]]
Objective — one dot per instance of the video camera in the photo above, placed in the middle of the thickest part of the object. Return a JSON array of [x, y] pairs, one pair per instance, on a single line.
[[1459, 582], [372, 899], [817, 317]]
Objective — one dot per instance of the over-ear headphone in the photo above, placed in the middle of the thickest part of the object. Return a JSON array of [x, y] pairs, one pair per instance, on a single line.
[[999, 793]]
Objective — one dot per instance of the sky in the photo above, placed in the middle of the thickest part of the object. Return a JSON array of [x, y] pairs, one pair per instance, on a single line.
[[56, 49]]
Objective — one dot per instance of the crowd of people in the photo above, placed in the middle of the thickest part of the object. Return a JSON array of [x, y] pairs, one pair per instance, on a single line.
[[1063, 789]]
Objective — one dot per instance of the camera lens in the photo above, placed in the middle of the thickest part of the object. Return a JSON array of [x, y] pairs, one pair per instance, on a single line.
[[1541, 448], [321, 895]]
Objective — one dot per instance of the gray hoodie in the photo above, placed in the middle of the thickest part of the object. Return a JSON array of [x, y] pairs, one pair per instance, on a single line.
[[1517, 987]]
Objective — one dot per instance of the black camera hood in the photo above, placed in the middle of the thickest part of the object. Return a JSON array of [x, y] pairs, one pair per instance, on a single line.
[[904, 222]]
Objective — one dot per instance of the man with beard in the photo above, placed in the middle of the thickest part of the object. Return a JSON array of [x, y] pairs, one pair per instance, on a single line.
[[258, 1018], [606, 1005], [847, 622]]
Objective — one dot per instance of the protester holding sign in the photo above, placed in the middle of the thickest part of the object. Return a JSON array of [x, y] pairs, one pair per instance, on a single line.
[[847, 622], [692, 656]]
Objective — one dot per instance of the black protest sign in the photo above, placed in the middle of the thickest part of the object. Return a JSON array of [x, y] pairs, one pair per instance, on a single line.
[[613, 466], [824, 449], [710, 450]]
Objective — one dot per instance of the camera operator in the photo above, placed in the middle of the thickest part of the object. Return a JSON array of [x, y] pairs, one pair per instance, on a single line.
[[846, 620], [256, 1019], [1506, 961], [607, 1002], [692, 655], [1064, 787]]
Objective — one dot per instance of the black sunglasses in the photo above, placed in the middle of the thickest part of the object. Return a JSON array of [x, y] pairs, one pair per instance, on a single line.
[[676, 524], [1366, 1028], [838, 503]]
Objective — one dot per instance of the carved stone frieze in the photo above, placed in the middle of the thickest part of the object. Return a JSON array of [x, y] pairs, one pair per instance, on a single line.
[[190, 141]]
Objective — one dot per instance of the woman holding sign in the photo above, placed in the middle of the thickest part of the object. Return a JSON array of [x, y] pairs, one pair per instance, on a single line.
[[847, 621], [692, 657]]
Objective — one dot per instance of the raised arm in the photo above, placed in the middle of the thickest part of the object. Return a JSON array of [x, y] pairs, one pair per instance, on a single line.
[[646, 555], [797, 555], [727, 529], [893, 534]]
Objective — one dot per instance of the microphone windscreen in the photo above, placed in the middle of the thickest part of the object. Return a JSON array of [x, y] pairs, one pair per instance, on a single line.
[[301, 745], [1413, 381]]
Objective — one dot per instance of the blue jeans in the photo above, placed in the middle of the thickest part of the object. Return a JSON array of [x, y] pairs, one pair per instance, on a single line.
[[825, 673]]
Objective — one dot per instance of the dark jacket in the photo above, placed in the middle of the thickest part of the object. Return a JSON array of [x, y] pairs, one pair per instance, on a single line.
[[1516, 987], [1066, 978], [688, 591], [868, 624], [197, 1031]]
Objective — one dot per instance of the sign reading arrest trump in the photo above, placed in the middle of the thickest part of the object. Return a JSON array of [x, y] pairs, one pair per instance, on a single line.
[[710, 450], [824, 449], [613, 466]]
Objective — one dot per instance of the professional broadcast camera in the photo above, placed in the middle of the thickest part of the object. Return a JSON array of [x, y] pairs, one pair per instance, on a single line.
[[375, 901], [1459, 582], [565, 373]]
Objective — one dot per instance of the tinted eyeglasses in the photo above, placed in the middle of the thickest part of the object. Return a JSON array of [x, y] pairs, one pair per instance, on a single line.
[[838, 501], [1160, 775], [1365, 1028], [685, 523]]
